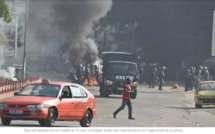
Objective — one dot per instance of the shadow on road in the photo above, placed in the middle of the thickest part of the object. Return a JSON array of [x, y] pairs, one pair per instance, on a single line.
[[157, 92], [110, 97], [191, 108], [27, 125], [185, 108]]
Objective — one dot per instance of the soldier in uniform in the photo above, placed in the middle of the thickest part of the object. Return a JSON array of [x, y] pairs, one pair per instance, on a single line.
[[96, 72], [79, 73], [161, 76], [152, 76], [142, 72], [87, 74], [206, 73], [193, 77], [187, 80], [198, 75]]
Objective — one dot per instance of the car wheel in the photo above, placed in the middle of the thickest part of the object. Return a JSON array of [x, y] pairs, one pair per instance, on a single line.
[[86, 120], [50, 121], [42, 122], [134, 94], [5, 121], [198, 106]]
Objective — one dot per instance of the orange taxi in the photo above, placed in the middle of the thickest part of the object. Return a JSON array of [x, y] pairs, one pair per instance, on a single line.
[[48, 102]]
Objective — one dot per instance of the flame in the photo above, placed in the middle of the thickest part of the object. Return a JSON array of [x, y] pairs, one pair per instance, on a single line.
[[93, 81]]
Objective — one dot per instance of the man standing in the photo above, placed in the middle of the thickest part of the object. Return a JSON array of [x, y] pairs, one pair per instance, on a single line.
[[79, 73], [87, 74], [187, 80], [192, 81], [126, 100], [152, 76], [161, 76]]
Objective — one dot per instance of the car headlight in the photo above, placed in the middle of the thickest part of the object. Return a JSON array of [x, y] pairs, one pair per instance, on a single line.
[[34, 107], [2, 106], [134, 84], [109, 82]]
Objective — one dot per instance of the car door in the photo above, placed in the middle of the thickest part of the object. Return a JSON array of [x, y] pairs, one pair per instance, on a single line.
[[80, 97], [66, 104]]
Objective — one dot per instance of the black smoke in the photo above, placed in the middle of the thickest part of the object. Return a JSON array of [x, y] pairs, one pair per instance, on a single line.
[[72, 21]]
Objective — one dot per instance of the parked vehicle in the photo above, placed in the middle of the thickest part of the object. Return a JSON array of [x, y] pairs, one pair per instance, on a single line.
[[205, 94]]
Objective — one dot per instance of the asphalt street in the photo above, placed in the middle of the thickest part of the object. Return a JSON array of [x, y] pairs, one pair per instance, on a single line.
[[151, 108]]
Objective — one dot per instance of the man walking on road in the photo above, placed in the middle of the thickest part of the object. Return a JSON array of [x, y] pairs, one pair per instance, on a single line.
[[126, 100]]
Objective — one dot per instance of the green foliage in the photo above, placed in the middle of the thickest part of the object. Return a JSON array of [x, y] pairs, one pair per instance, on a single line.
[[3, 39], [4, 11]]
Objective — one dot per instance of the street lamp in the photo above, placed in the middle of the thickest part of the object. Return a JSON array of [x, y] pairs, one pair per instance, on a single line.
[[26, 29]]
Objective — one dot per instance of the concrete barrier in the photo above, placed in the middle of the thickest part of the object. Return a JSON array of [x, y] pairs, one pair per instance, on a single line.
[[12, 86]]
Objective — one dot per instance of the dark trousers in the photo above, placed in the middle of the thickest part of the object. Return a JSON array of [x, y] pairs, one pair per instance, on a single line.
[[124, 103], [187, 85], [79, 80], [160, 84], [192, 84], [151, 82]]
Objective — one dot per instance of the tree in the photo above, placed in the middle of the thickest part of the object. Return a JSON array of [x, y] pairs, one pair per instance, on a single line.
[[3, 38], [4, 11]]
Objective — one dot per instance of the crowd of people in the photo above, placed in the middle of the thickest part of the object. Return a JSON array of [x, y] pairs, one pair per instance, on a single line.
[[193, 75], [152, 74], [81, 73]]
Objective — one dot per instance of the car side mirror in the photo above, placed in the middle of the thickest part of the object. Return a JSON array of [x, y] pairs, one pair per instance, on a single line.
[[61, 97], [15, 93]]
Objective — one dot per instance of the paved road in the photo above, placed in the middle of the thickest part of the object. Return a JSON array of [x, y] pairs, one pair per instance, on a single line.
[[151, 108]]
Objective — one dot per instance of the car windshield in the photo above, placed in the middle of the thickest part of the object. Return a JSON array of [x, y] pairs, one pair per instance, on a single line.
[[207, 86], [46, 90], [122, 69]]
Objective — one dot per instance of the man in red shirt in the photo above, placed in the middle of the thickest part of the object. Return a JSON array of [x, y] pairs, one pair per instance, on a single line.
[[126, 100]]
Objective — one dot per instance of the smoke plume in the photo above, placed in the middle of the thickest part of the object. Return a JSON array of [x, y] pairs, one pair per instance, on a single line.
[[17, 9], [6, 73], [72, 21]]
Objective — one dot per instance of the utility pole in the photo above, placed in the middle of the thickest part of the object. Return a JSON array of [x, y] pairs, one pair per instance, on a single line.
[[132, 27], [132, 40], [26, 29], [16, 34]]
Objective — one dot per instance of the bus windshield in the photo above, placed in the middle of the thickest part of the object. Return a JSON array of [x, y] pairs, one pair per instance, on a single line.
[[121, 69]]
